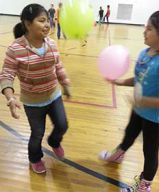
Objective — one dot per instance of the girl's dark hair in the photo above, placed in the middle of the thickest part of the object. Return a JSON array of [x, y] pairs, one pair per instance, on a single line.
[[29, 13], [154, 19]]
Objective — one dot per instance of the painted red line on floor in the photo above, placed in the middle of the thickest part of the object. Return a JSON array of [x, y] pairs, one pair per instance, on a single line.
[[90, 104]]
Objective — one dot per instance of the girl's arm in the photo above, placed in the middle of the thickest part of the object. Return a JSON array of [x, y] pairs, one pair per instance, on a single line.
[[151, 102], [60, 70], [7, 76], [63, 78], [124, 82], [9, 70]]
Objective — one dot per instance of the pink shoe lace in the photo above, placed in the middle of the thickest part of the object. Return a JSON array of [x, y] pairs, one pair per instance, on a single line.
[[38, 167], [59, 152]]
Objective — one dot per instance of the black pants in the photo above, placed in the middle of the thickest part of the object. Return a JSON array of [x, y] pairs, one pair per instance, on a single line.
[[107, 19], [59, 32], [52, 23], [150, 142], [37, 118]]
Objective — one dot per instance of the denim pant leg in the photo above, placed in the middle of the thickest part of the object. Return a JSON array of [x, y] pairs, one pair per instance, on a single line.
[[58, 117], [51, 22], [100, 20], [36, 117], [58, 31]]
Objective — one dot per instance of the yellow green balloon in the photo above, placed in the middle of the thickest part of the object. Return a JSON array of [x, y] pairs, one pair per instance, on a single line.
[[76, 18]]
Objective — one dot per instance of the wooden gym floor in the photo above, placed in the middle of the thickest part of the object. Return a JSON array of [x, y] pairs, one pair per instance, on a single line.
[[97, 114]]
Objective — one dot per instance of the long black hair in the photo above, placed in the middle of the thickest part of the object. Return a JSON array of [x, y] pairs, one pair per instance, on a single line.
[[29, 13], [154, 19]]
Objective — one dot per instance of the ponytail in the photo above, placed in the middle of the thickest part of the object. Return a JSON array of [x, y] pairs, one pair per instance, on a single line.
[[19, 30]]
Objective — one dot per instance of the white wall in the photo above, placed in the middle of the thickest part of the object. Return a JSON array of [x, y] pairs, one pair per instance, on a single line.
[[15, 7], [142, 9]]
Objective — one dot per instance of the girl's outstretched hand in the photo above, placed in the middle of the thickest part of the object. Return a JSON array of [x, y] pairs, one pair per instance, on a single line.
[[13, 105], [119, 82], [66, 91], [123, 82]]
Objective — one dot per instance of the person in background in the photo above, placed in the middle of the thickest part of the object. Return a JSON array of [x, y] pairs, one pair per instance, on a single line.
[[58, 21], [51, 12], [34, 58], [101, 12], [107, 15]]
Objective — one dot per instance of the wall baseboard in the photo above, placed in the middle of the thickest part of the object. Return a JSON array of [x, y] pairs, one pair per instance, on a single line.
[[116, 23], [4, 14]]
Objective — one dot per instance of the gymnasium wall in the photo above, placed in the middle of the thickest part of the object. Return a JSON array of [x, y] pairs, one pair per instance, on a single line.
[[122, 11]]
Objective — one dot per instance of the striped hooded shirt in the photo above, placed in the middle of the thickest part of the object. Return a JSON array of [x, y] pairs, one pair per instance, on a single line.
[[38, 74]]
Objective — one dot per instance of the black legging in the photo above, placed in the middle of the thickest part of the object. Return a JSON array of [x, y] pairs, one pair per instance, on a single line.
[[150, 142]]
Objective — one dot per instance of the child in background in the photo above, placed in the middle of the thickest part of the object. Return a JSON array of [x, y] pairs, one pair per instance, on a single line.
[[34, 58], [58, 21], [101, 12], [107, 15], [145, 114], [51, 12]]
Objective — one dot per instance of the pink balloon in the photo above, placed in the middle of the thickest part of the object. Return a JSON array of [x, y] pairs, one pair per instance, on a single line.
[[114, 62]]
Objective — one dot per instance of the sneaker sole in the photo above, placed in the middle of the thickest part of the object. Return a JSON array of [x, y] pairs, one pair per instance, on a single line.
[[44, 171], [38, 171]]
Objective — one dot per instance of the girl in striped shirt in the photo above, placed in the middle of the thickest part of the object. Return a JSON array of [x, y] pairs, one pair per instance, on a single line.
[[34, 58]]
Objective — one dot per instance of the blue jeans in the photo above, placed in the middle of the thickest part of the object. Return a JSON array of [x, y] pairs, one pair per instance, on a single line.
[[58, 31], [37, 119]]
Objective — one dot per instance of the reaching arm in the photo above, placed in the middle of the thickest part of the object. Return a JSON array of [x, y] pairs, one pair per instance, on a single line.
[[62, 77], [124, 82], [60, 70]]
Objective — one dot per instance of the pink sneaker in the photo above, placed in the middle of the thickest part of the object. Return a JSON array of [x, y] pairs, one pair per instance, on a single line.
[[144, 186], [115, 156], [132, 188], [138, 186], [59, 152], [38, 167]]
